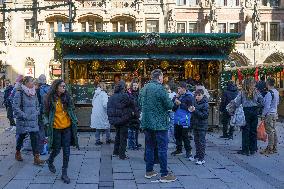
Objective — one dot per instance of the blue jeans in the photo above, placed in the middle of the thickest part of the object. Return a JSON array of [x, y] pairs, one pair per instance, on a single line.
[[161, 139], [98, 134], [171, 127], [132, 138]]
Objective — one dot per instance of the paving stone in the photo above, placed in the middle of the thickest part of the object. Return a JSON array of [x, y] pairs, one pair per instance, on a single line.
[[149, 186], [44, 179], [59, 184], [124, 184], [106, 184], [40, 186], [18, 184], [175, 184], [87, 186], [123, 176], [88, 180]]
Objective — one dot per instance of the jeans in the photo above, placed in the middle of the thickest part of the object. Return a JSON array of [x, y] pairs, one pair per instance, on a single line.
[[171, 131], [249, 133], [100, 131], [200, 143], [10, 116], [181, 135], [61, 139], [133, 138], [162, 141], [120, 141], [34, 141]]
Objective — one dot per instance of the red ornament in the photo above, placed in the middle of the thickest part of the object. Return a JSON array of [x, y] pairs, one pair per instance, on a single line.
[[240, 76], [256, 74]]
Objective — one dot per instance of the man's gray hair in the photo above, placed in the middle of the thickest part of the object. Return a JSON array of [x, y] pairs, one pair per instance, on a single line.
[[155, 74]]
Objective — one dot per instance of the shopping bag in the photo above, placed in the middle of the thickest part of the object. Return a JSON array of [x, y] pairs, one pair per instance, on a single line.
[[261, 133], [238, 119]]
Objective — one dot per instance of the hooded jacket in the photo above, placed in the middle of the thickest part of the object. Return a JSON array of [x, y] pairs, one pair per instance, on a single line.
[[200, 116], [228, 95], [120, 106]]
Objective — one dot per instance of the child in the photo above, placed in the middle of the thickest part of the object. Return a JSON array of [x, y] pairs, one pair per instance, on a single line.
[[199, 121]]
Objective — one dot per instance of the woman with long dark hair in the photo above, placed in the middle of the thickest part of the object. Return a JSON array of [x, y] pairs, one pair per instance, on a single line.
[[251, 99], [61, 125]]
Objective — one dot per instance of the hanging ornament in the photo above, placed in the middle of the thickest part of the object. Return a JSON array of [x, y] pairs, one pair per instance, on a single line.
[[140, 65], [164, 64], [240, 76], [256, 74], [120, 65], [95, 65]]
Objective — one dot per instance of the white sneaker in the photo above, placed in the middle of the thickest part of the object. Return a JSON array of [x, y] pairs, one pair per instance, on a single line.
[[191, 158], [200, 162], [13, 128]]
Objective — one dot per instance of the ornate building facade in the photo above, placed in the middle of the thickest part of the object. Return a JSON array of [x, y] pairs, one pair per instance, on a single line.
[[26, 37]]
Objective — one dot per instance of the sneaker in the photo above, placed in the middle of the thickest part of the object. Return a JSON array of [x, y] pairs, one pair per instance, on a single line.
[[176, 153], [224, 136], [13, 128], [109, 141], [192, 158], [124, 158], [151, 174], [243, 152], [168, 178], [200, 162]]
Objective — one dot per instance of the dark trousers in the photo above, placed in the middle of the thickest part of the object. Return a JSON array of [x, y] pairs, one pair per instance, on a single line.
[[249, 131], [226, 125], [10, 115], [152, 138], [61, 139], [34, 141], [181, 135], [120, 141], [42, 135], [200, 143]]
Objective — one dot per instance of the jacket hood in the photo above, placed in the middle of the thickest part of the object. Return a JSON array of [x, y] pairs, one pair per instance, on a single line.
[[120, 87], [203, 100], [232, 87]]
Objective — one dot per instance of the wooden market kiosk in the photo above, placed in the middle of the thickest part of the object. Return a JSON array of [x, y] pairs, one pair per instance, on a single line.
[[91, 57]]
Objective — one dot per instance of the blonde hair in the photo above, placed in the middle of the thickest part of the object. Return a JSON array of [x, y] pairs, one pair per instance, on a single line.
[[102, 85], [248, 87]]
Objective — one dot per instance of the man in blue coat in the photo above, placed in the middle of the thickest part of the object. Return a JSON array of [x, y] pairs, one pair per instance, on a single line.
[[182, 101]]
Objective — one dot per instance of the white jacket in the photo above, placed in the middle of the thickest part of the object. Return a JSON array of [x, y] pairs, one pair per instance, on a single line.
[[99, 118]]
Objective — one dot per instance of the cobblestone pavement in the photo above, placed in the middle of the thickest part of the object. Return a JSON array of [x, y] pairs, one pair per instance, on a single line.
[[92, 167]]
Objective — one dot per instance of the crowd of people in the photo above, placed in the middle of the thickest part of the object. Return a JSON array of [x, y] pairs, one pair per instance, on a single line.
[[170, 112]]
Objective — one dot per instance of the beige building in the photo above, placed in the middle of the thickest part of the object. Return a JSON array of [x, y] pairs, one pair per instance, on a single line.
[[26, 45]]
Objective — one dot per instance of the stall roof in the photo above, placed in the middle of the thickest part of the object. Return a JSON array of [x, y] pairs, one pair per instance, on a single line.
[[125, 45]]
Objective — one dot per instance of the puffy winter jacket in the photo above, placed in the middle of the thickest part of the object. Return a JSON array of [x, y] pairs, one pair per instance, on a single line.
[[228, 95], [199, 119], [120, 106]]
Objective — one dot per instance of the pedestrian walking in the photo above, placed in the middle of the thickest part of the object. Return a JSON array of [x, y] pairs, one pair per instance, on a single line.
[[200, 113], [134, 126], [261, 86], [61, 123], [42, 91], [120, 110], [182, 101], [8, 104], [228, 95], [250, 99], [155, 104], [26, 110], [99, 118], [171, 132], [270, 115]]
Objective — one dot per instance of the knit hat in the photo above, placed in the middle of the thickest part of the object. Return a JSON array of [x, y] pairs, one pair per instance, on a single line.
[[19, 78], [42, 79]]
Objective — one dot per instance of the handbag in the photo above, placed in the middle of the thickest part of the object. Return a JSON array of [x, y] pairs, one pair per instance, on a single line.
[[261, 133], [238, 119]]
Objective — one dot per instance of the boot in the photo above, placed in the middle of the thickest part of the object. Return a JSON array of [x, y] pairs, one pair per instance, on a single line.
[[266, 151], [274, 150], [37, 160], [51, 167], [18, 156], [64, 176]]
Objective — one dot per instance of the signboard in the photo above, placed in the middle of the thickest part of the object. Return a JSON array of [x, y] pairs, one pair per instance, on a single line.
[[29, 67]]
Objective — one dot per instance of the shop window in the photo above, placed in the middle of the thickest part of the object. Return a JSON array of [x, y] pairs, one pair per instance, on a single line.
[[180, 27], [181, 2], [221, 28], [152, 26], [274, 32], [234, 28], [2, 31], [192, 28], [29, 28], [263, 32], [91, 26]]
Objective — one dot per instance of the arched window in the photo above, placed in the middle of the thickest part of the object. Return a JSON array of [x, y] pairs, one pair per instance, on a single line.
[[57, 24], [123, 24], [91, 24]]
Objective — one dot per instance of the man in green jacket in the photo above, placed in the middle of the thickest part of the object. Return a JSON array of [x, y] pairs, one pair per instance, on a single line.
[[155, 104]]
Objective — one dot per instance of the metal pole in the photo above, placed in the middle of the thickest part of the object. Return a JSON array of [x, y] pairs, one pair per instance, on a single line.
[[70, 15]]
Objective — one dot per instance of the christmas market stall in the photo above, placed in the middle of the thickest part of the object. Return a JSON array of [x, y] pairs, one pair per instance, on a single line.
[[88, 58], [275, 70]]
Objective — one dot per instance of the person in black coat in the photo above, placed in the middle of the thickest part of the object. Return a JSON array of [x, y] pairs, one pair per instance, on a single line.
[[7, 102], [199, 121], [261, 86], [228, 95], [120, 111]]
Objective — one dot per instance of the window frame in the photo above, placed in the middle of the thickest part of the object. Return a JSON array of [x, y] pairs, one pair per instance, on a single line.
[[277, 31], [189, 28], [152, 20], [184, 24]]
